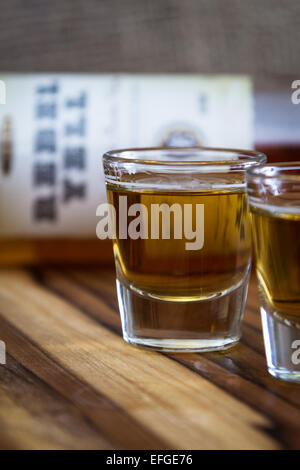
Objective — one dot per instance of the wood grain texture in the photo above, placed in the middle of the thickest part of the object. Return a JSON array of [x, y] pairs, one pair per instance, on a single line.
[[71, 382], [258, 37]]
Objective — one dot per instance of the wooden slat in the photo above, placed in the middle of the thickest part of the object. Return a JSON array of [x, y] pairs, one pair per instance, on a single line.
[[245, 365], [33, 414], [166, 403]]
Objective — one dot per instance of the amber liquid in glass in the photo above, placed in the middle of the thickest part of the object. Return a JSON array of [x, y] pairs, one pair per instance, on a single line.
[[165, 270], [277, 243]]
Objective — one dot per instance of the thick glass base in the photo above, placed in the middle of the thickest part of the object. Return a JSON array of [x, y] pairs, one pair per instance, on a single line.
[[284, 374], [181, 326], [177, 345], [282, 344]]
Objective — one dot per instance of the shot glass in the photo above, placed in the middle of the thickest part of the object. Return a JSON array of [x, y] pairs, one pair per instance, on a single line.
[[274, 196], [181, 234]]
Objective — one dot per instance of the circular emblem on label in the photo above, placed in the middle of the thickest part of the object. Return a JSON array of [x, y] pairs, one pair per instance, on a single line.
[[180, 136]]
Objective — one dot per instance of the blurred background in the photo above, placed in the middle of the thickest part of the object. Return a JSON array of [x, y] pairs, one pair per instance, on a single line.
[[260, 38], [164, 72], [236, 36]]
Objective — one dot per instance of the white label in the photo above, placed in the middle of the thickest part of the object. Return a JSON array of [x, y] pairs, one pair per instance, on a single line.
[[60, 125]]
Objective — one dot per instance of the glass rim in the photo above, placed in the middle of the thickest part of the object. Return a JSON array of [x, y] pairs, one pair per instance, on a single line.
[[278, 170], [240, 158]]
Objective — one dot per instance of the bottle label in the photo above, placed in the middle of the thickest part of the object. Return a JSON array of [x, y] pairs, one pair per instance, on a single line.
[[55, 128]]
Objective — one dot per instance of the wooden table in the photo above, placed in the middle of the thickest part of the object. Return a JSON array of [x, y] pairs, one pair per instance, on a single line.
[[71, 382]]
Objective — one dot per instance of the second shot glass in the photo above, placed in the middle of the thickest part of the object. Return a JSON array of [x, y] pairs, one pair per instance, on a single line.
[[274, 196]]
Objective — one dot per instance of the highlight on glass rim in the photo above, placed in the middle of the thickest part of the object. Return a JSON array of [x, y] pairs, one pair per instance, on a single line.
[[150, 228]]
